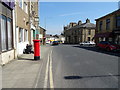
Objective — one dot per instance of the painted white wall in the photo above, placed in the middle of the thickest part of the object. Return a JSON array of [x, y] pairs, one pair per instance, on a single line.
[[20, 45], [63, 39], [7, 57], [32, 37], [14, 34]]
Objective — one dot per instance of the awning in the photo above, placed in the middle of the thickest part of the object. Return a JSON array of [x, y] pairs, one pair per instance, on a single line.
[[116, 31], [107, 34]]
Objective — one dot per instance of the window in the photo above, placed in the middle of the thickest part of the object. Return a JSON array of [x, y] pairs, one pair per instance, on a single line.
[[107, 24], [88, 38], [3, 33], [89, 32], [20, 35], [34, 34], [9, 24], [25, 7], [100, 28], [26, 35], [20, 3], [118, 21]]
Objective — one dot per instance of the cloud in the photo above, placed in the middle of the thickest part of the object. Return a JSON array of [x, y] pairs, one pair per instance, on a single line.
[[70, 14]]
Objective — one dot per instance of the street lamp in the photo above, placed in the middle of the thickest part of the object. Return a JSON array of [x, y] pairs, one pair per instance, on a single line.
[[37, 22]]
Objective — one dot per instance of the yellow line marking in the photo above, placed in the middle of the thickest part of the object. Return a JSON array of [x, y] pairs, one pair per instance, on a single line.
[[46, 74], [50, 72]]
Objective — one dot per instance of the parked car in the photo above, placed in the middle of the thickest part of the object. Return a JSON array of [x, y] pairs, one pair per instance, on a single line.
[[55, 43], [87, 43], [108, 46]]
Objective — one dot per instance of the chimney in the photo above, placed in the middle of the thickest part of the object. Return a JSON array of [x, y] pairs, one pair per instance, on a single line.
[[87, 20], [72, 24], [79, 22], [65, 27]]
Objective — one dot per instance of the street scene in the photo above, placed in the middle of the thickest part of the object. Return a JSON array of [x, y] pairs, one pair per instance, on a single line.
[[59, 45]]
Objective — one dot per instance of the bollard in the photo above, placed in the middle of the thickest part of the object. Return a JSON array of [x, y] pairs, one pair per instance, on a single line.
[[36, 49]]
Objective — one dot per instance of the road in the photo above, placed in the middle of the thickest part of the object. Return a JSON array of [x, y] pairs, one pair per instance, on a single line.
[[71, 66]]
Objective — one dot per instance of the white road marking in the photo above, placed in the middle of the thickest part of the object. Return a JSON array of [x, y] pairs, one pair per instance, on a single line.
[[50, 72], [113, 76], [46, 74], [38, 76]]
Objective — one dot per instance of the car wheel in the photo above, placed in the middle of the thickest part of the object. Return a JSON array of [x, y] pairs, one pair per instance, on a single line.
[[108, 49]]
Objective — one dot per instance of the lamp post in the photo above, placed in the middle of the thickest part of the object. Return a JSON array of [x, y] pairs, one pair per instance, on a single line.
[[37, 27]]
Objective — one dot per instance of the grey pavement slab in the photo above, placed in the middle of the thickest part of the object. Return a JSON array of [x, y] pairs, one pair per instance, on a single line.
[[22, 73]]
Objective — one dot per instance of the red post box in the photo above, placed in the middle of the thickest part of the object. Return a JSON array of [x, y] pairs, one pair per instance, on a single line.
[[36, 49]]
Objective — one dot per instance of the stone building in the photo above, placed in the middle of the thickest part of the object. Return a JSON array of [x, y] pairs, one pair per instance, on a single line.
[[33, 20], [17, 19], [7, 32], [79, 32], [108, 28], [42, 35], [26, 23], [22, 25]]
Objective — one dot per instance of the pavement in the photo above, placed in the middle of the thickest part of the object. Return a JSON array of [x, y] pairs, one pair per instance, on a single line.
[[22, 72]]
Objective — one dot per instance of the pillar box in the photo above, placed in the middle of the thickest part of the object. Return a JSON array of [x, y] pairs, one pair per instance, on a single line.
[[36, 49]]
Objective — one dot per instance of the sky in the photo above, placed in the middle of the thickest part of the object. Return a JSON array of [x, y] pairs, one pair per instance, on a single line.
[[55, 15]]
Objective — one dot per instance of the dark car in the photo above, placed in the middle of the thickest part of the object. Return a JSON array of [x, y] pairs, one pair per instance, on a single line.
[[55, 43], [109, 46]]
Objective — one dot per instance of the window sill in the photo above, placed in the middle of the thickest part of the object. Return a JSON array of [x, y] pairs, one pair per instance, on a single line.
[[7, 50]]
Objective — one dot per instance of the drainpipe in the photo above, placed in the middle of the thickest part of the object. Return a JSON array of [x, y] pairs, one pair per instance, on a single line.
[[15, 17]]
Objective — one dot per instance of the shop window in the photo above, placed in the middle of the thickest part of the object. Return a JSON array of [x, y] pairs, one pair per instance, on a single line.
[[118, 21], [3, 33], [107, 24], [9, 24], [20, 35]]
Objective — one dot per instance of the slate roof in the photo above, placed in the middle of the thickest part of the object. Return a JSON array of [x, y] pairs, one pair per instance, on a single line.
[[84, 25]]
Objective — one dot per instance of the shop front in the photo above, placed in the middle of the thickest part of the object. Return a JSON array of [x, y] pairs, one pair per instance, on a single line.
[[108, 36], [6, 32], [116, 36]]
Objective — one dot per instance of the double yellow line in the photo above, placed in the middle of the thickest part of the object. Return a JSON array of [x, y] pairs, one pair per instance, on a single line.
[[49, 73]]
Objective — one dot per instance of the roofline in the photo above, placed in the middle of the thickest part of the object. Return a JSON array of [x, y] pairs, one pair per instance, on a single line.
[[42, 28], [107, 15]]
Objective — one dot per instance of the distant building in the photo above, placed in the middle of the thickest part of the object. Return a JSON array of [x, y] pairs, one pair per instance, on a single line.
[[80, 32], [42, 35], [61, 38], [108, 28], [49, 38]]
